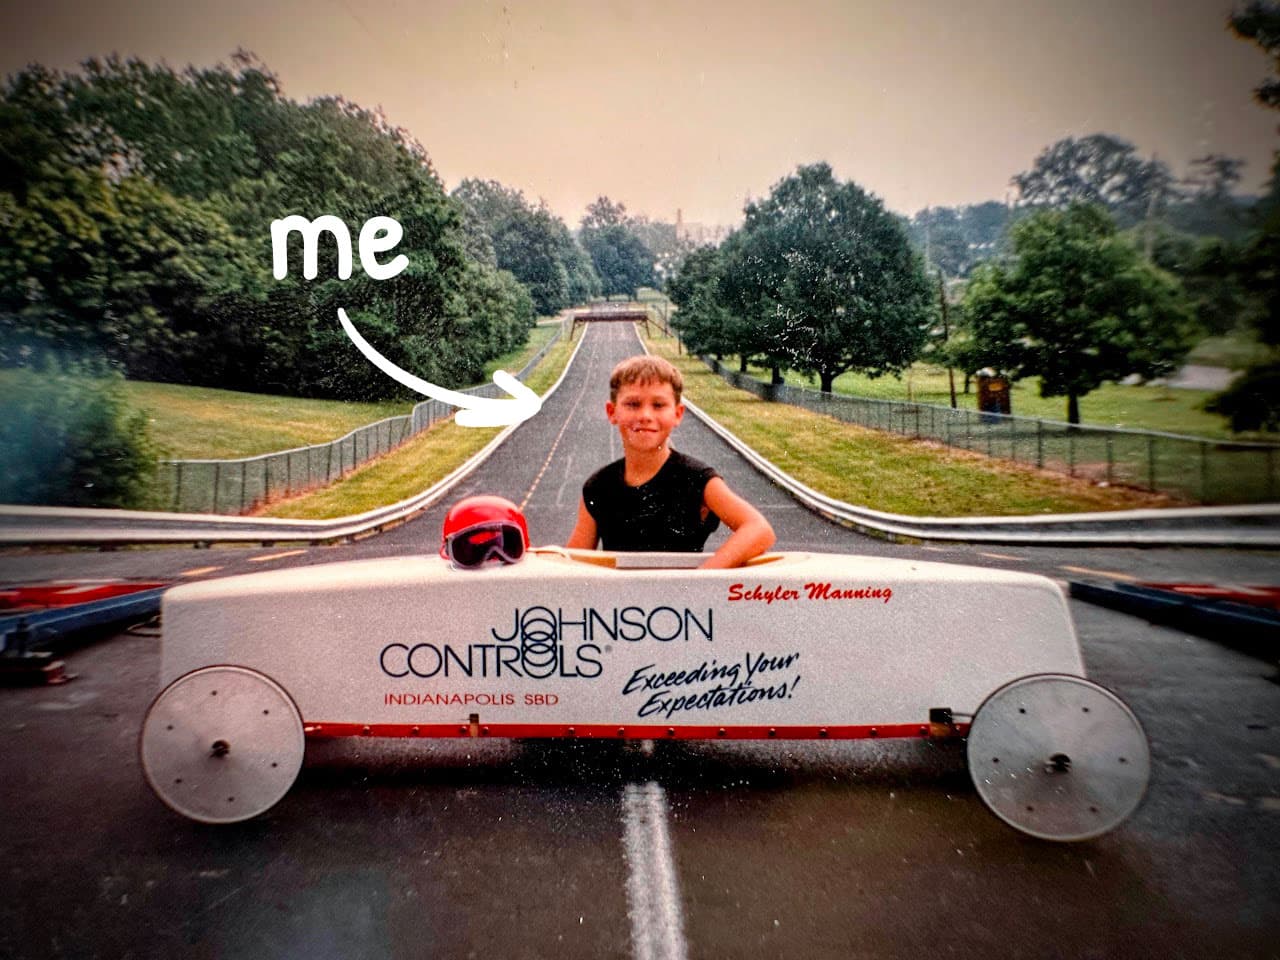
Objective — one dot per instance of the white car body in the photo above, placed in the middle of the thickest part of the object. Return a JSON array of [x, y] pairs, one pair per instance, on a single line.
[[590, 644]]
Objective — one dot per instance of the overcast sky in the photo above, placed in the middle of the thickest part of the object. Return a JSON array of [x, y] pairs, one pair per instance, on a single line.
[[699, 106]]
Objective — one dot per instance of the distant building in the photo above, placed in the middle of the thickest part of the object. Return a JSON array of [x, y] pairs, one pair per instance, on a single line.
[[699, 234]]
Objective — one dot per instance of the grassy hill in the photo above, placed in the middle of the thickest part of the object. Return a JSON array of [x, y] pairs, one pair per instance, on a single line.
[[202, 423], [889, 472], [427, 458], [1136, 407], [208, 424]]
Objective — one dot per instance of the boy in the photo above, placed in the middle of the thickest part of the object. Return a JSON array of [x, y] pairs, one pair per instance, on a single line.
[[656, 498]]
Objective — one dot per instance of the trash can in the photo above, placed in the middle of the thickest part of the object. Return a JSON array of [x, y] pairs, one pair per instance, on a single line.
[[993, 395]]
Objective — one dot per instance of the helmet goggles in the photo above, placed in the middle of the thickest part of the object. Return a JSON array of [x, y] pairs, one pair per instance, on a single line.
[[472, 546]]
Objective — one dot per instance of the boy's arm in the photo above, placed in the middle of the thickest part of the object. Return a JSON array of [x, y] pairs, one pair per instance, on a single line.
[[584, 534], [752, 534]]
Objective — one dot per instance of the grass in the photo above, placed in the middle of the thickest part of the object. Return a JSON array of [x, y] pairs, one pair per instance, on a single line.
[[410, 469], [414, 467], [200, 423], [1112, 405], [548, 371], [514, 361], [896, 474], [205, 423]]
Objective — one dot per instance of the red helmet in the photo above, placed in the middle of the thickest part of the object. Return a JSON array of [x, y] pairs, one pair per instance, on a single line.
[[481, 527]]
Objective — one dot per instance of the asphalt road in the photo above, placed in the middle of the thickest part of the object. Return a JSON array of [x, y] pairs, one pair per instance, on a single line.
[[474, 848]]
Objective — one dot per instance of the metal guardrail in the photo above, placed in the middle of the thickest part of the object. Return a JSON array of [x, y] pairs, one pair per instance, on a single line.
[[1198, 469], [236, 486]]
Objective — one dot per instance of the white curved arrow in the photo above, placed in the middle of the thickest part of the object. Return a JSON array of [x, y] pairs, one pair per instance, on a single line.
[[472, 411]]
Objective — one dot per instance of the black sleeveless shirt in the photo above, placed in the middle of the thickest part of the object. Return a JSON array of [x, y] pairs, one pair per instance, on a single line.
[[664, 513]]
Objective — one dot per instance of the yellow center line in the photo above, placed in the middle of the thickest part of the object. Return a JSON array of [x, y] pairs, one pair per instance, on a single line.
[[1100, 573], [199, 571], [998, 556], [276, 556], [552, 452]]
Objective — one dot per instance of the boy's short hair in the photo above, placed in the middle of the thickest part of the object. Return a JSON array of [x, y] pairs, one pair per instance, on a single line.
[[644, 368]]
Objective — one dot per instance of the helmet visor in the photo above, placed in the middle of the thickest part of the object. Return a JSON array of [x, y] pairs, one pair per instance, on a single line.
[[472, 547]]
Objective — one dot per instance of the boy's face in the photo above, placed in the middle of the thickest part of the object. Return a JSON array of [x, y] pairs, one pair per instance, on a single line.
[[645, 414]]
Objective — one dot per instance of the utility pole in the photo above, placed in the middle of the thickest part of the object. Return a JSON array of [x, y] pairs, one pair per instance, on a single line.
[[1152, 196], [946, 335]]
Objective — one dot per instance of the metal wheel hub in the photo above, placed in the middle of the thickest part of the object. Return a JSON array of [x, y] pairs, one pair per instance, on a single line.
[[222, 744], [1058, 757]]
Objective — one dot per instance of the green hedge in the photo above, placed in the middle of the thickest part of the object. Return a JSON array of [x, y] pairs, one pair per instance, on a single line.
[[69, 438]]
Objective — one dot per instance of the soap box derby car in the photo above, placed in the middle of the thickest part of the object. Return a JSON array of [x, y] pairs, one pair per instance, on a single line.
[[571, 643]]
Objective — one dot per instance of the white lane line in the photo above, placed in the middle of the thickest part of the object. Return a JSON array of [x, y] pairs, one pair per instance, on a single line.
[[653, 892]]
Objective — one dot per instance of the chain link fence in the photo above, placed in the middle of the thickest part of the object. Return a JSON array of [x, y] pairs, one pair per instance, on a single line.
[[1190, 468], [238, 486]]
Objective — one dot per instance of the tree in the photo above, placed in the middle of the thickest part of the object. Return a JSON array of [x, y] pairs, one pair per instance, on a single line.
[[124, 270], [938, 233], [1208, 269], [714, 302], [34, 128], [1259, 21], [701, 316], [584, 282], [828, 277], [1096, 169], [1214, 176], [1253, 401], [619, 256], [748, 327], [69, 438], [531, 242], [955, 239], [133, 202], [984, 226], [603, 212], [1078, 306], [1207, 205]]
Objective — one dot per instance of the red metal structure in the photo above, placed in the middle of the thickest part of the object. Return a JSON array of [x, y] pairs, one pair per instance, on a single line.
[[1258, 596], [41, 596]]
